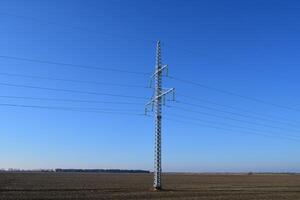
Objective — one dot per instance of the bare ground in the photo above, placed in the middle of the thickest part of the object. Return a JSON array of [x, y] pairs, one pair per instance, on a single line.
[[138, 186]]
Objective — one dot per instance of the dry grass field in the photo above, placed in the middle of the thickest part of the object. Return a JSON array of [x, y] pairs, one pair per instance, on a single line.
[[138, 186]]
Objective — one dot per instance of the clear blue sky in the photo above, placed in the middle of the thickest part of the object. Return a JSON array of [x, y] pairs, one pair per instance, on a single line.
[[250, 48]]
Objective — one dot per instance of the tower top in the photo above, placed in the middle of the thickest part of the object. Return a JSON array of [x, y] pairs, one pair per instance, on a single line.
[[158, 55]]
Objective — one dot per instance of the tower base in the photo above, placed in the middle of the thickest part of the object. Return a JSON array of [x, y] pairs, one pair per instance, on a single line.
[[157, 188]]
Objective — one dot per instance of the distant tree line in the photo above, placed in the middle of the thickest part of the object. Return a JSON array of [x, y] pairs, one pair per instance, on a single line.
[[77, 170], [104, 170], [26, 170]]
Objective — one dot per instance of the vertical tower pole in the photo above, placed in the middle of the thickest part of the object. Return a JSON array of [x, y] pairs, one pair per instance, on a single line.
[[156, 102], [157, 107]]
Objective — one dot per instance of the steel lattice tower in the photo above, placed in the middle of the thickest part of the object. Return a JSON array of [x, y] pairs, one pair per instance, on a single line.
[[157, 107], [156, 102]]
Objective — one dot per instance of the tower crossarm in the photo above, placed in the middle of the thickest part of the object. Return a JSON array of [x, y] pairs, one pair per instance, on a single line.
[[171, 90], [159, 70]]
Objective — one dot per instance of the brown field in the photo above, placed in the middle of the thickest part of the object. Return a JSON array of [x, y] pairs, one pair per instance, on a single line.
[[138, 186]]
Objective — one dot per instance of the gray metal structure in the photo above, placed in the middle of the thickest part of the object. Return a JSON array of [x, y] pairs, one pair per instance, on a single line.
[[157, 101]]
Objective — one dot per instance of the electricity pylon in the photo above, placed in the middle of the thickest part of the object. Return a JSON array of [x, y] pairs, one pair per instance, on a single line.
[[157, 101]]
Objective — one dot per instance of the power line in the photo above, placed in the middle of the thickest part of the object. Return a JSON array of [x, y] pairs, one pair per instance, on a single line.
[[234, 113], [125, 71], [78, 109], [84, 29], [72, 91], [234, 94], [233, 119], [72, 65], [70, 100], [230, 125], [235, 108], [231, 130], [71, 80], [87, 30]]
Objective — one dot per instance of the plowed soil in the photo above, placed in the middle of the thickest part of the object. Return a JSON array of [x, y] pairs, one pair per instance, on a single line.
[[138, 186]]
